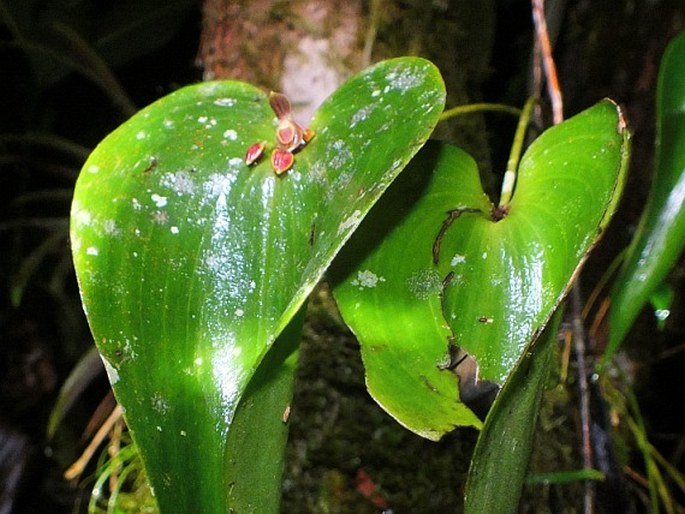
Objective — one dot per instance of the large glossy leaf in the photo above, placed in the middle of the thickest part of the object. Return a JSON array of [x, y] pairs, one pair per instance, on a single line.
[[190, 263], [415, 279], [660, 238]]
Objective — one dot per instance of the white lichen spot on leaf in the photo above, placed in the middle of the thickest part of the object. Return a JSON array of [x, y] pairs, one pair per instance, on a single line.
[[362, 114], [225, 102], [367, 278], [458, 259], [160, 404], [110, 227], [424, 283], [180, 182], [235, 162], [160, 201], [207, 121], [404, 79], [160, 217], [352, 221], [81, 217], [218, 184], [341, 154]]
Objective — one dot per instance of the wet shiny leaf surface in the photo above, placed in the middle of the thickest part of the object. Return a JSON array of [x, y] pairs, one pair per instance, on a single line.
[[660, 238], [432, 267], [191, 262]]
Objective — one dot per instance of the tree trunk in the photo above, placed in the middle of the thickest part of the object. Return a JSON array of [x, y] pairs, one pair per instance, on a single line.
[[304, 49]]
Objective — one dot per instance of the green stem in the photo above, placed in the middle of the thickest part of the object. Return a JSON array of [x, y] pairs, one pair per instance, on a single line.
[[509, 181], [371, 33], [479, 107], [564, 477]]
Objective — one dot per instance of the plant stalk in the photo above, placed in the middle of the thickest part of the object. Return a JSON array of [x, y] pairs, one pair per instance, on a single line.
[[509, 180]]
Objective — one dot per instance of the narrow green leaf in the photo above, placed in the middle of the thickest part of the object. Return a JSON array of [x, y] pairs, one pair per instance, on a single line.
[[435, 267], [255, 449], [31, 263], [86, 370], [191, 263], [660, 238], [500, 460], [565, 477]]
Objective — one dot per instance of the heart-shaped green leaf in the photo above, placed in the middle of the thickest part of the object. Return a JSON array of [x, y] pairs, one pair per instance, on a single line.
[[389, 293], [432, 267], [660, 238], [191, 262]]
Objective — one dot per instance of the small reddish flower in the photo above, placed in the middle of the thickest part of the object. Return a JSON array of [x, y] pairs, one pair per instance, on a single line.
[[290, 137], [280, 105], [287, 133], [254, 153], [290, 134], [281, 160]]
